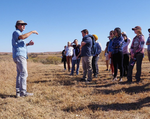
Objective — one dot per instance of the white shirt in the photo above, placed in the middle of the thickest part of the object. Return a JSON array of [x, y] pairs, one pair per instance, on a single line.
[[69, 51], [74, 56]]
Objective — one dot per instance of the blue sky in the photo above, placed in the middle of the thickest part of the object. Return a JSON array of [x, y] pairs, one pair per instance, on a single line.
[[60, 21]]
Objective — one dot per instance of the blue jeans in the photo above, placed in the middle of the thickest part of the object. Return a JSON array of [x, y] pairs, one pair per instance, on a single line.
[[77, 61], [22, 74]]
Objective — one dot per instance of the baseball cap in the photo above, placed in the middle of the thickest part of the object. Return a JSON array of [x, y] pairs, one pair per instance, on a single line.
[[137, 28], [21, 22], [95, 37], [149, 30]]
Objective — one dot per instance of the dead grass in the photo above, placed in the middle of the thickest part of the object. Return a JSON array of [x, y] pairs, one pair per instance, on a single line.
[[60, 96]]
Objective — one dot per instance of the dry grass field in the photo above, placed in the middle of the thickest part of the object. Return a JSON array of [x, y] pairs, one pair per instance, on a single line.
[[57, 95]]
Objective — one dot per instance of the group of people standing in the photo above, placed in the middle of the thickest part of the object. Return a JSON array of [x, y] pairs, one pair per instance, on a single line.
[[117, 51], [89, 50]]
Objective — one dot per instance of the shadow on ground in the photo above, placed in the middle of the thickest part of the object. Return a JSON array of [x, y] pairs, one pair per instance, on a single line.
[[129, 90], [7, 96], [114, 106], [121, 106]]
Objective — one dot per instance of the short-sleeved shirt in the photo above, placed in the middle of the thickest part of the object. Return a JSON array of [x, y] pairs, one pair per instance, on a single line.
[[148, 46], [86, 49], [19, 47], [69, 51]]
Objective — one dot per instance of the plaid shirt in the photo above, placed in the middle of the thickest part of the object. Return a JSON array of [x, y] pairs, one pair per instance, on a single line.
[[117, 44], [137, 45]]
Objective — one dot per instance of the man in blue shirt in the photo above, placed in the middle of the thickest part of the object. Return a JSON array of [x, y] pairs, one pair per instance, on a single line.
[[20, 55], [86, 55]]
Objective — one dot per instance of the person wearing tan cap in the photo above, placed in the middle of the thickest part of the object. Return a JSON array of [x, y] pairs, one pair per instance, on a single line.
[[137, 54], [19, 49]]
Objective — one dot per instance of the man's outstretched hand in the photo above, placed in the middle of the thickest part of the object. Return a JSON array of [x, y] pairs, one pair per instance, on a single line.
[[35, 32]]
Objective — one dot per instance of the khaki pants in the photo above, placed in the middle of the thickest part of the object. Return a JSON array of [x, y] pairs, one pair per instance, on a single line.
[[87, 66]]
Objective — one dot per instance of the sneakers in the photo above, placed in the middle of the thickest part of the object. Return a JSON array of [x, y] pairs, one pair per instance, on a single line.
[[17, 94], [25, 94], [120, 80], [115, 79], [88, 81], [83, 79], [95, 76]]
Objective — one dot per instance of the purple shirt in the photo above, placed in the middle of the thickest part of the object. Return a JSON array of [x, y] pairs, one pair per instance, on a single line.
[[137, 45], [126, 46]]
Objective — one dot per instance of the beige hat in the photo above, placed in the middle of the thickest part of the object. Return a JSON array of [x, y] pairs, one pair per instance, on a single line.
[[21, 22]]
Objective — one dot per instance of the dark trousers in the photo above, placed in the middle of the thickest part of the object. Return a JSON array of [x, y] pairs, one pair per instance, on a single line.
[[125, 64], [64, 64], [118, 62], [139, 58], [95, 64]]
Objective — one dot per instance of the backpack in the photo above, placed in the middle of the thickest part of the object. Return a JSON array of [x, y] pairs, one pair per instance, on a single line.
[[93, 49]]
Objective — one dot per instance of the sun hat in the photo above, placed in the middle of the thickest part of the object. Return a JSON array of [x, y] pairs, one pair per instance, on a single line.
[[95, 37], [137, 28], [21, 22]]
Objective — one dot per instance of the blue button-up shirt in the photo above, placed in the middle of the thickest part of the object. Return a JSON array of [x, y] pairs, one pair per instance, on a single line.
[[117, 44], [18, 45], [98, 48]]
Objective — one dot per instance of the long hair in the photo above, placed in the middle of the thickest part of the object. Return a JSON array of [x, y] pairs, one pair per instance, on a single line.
[[140, 32], [118, 30]]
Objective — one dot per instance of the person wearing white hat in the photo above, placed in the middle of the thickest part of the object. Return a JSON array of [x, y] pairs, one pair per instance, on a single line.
[[125, 53], [19, 49]]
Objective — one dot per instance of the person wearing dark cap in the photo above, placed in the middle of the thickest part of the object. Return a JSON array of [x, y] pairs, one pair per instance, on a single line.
[[148, 45], [76, 57], [125, 53], [137, 54], [19, 49]]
